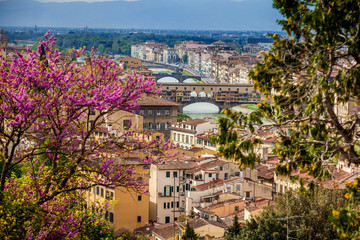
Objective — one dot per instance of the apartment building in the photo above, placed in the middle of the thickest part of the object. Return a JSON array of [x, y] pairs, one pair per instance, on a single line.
[[184, 133], [167, 189], [129, 208], [158, 113]]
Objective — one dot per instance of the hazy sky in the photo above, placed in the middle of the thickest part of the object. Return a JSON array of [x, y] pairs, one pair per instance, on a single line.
[[153, 14]]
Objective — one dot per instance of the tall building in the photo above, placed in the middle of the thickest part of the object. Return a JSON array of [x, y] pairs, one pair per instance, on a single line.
[[167, 189]]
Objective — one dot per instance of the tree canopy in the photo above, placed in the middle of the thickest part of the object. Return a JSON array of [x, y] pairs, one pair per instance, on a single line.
[[50, 157], [296, 215], [312, 80], [189, 233]]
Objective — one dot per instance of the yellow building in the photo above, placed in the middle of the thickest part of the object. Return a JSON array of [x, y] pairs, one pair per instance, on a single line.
[[131, 208], [128, 208]]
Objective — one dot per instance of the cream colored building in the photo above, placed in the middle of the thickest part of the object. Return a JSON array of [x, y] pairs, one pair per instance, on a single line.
[[184, 133], [167, 189]]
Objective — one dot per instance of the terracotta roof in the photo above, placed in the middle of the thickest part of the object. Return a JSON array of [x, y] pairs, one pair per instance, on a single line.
[[166, 230], [145, 230], [195, 122], [229, 220], [176, 165], [252, 206], [220, 204], [200, 222], [176, 128], [156, 101], [215, 183], [264, 172], [272, 160], [213, 164]]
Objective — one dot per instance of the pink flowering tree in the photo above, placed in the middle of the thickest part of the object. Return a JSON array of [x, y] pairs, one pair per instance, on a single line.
[[49, 155]]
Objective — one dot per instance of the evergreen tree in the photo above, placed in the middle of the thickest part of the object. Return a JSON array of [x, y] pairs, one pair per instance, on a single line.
[[234, 230], [189, 233]]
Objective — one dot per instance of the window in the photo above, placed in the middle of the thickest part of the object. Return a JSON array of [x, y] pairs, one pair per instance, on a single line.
[[175, 174], [172, 204], [112, 217], [210, 175], [167, 191], [102, 192], [111, 196], [154, 126], [226, 176], [177, 188], [139, 198], [168, 205], [167, 219], [107, 195], [146, 113], [107, 215], [164, 205], [236, 209], [97, 190], [138, 218], [162, 126], [167, 174], [247, 194], [177, 204], [126, 124], [146, 125], [221, 168]]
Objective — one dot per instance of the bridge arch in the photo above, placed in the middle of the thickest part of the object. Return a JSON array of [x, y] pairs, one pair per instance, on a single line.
[[190, 80], [168, 79], [202, 94], [205, 107], [193, 94]]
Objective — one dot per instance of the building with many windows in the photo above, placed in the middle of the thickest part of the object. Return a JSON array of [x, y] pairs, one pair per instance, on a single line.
[[184, 133], [158, 113], [167, 189]]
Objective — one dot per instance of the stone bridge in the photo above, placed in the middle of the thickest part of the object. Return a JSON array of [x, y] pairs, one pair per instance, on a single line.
[[178, 77], [222, 95]]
